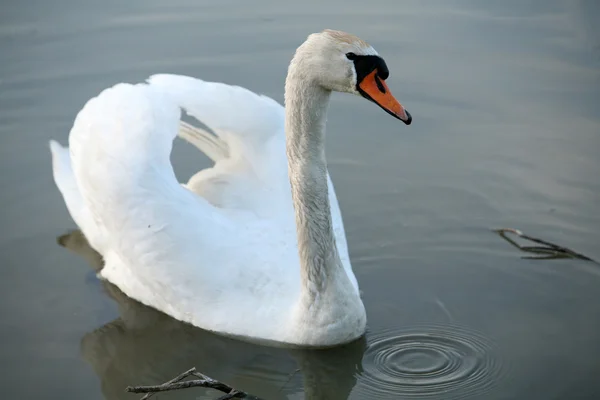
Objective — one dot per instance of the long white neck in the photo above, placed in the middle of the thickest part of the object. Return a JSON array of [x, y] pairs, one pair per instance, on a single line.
[[306, 110]]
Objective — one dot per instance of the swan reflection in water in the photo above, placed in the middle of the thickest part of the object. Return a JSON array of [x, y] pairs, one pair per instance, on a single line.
[[146, 347]]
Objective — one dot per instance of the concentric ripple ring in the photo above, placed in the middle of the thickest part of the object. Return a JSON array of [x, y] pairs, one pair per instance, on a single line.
[[429, 362]]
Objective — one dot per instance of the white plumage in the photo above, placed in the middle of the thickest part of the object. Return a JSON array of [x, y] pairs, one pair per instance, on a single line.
[[222, 251]]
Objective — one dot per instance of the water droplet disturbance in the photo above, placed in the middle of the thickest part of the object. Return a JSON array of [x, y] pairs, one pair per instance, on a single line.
[[430, 362]]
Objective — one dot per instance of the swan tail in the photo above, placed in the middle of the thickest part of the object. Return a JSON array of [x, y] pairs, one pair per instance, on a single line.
[[214, 148], [65, 180], [61, 165], [67, 185]]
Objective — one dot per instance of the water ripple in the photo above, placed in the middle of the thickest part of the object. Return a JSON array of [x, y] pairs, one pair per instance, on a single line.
[[430, 362]]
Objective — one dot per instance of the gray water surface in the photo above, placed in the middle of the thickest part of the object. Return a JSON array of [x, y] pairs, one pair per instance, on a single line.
[[506, 133]]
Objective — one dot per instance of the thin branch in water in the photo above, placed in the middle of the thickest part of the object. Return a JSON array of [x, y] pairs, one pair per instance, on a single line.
[[178, 378], [550, 250], [204, 381]]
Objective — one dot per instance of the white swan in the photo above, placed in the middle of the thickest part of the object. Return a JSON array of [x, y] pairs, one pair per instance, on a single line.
[[252, 247]]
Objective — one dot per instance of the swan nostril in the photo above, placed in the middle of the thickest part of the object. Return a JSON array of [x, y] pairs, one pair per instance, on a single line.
[[379, 84]]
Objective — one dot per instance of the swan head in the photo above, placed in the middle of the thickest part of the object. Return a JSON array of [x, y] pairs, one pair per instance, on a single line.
[[341, 62]]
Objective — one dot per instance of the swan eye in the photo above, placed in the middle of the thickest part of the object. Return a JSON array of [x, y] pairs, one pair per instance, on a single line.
[[351, 56]]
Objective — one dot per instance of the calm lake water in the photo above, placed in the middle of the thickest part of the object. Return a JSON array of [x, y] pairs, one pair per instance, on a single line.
[[506, 133]]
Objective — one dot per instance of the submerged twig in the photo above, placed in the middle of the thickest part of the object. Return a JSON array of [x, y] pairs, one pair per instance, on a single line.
[[550, 250], [203, 381], [176, 379]]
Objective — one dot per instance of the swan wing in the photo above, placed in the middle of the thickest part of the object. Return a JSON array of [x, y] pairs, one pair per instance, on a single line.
[[165, 245], [248, 144]]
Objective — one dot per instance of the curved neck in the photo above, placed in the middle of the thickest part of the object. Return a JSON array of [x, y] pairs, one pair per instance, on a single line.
[[306, 111]]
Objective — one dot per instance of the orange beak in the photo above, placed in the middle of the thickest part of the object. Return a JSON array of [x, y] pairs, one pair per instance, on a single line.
[[374, 88]]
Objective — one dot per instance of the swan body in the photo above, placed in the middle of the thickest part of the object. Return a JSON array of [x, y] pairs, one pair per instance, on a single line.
[[253, 246]]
